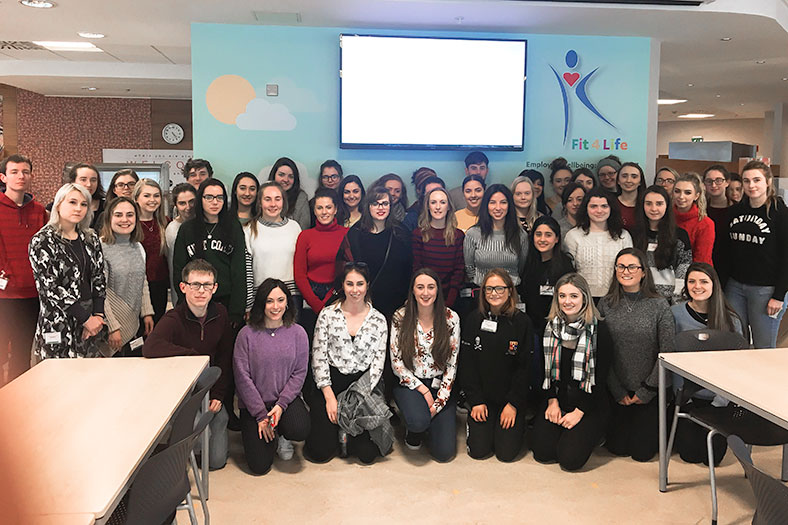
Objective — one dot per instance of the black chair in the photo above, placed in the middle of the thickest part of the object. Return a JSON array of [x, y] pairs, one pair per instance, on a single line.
[[726, 421], [771, 496], [161, 484]]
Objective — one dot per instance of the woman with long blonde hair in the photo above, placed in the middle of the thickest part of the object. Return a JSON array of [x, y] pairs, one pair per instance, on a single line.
[[153, 221], [689, 203]]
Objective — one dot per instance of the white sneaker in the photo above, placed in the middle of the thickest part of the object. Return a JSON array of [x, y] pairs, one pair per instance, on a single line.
[[284, 448]]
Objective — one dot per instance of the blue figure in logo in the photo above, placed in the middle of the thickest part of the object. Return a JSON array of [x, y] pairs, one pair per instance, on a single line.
[[571, 79]]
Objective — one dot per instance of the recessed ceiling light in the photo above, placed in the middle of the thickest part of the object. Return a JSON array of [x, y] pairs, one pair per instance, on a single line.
[[690, 85], [670, 101], [696, 115], [89, 88], [70, 46], [718, 95], [760, 62], [741, 104], [39, 4], [726, 39], [85, 34], [785, 79]]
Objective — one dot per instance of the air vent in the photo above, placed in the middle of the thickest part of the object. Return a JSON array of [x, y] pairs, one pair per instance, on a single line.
[[18, 45]]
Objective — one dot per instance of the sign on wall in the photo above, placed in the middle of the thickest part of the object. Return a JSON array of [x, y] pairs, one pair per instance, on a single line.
[[174, 158]]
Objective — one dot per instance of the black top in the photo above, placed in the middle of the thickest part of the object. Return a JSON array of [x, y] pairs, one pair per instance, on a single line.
[[536, 289], [721, 240], [494, 366], [759, 245], [568, 391], [76, 249]]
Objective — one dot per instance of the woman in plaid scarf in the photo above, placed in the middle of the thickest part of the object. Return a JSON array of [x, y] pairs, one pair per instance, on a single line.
[[577, 350]]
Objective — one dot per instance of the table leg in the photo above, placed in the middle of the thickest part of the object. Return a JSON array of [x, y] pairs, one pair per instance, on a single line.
[[663, 416], [205, 451]]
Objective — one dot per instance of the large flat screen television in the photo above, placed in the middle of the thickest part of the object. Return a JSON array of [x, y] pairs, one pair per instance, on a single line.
[[432, 93]]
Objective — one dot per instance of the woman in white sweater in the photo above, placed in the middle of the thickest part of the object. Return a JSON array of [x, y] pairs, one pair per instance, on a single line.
[[596, 240], [271, 239]]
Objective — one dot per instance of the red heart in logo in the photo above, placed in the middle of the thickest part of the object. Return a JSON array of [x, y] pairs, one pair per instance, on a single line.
[[571, 78]]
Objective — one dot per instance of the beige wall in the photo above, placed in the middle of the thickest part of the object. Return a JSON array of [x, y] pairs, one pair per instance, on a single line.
[[745, 131]]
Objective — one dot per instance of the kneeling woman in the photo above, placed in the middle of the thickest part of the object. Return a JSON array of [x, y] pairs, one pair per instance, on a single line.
[[349, 349], [497, 342], [425, 342], [270, 361], [577, 349]]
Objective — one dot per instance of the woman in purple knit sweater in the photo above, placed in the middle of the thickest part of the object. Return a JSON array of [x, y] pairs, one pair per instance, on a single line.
[[270, 362]]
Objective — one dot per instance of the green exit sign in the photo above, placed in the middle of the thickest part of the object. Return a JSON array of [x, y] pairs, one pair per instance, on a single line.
[[697, 139]]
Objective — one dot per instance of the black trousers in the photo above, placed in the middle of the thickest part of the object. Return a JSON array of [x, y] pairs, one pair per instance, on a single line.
[[488, 437], [293, 425], [18, 319], [322, 444], [571, 448], [634, 430], [691, 440], [158, 298]]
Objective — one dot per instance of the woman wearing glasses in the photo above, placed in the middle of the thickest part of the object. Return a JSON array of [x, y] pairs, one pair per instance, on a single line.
[[716, 179], [666, 177], [398, 193], [330, 175], [214, 235], [122, 184], [496, 352], [641, 324]]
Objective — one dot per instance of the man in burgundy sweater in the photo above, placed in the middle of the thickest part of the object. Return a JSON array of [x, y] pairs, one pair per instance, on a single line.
[[20, 218], [198, 326]]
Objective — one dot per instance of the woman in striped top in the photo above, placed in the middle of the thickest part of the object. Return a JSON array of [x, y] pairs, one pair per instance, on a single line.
[[438, 243], [496, 241]]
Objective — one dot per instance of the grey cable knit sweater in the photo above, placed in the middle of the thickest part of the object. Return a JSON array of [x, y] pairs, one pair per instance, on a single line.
[[641, 328]]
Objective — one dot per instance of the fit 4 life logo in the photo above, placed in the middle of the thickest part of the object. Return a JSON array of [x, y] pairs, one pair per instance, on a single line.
[[574, 84]]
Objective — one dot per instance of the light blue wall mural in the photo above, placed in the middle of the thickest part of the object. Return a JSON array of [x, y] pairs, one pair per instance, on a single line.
[[586, 97]]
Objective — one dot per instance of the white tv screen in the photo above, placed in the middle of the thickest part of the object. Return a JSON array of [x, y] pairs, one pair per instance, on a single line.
[[431, 93]]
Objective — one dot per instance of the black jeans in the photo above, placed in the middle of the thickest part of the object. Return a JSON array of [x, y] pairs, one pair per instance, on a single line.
[[293, 425], [18, 318], [322, 444], [634, 430], [158, 298], [489, 436], [571, 448]]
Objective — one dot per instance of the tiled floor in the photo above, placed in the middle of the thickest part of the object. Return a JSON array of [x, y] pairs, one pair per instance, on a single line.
[[407, 486]]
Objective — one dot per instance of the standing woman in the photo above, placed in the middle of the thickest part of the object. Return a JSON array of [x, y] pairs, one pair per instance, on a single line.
[[473, 187], [598, 238], [496, 241], [758, 278], [497, 344], [128, 297], [285, 172], [153, 221], [398, 193], [641, 324], [183, 198], [349, 346], [577, 347], [560, 174], [571, 200], [87, 175], [330, 175], [734, 191], [666, 177], [632, 183], [607, 173], [667, 247], [425, 343], [216, 236], [269, 362], [438, 244], [538, 179], [351, 193], [689, 201], [68, 267], [271, 242], [585, 178], [379, 242], [716, 180], [524, 202], [243, 203], [122, 184]]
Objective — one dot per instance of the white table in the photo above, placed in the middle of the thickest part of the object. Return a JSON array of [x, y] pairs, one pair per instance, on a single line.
[[74, 431], [753, 379]]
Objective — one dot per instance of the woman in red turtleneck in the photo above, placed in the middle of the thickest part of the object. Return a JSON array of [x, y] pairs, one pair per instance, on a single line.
[[689, 203]]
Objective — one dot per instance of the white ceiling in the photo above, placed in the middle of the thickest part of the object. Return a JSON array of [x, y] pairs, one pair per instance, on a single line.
[[147, 45]]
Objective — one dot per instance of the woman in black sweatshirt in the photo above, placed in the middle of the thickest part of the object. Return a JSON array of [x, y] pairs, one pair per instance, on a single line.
[[496, 346], [758, 276], [577, 349]]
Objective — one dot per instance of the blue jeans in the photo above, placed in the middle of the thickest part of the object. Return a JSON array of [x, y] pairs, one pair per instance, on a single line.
[[217, 441], [442, 428], [750, 302]]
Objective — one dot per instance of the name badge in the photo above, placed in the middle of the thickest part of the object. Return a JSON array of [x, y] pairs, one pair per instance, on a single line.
[[490, 326], [652, 247], [3, 283], [520, 306], [545, 289], [52, 338], [136, 343], [436, 382]]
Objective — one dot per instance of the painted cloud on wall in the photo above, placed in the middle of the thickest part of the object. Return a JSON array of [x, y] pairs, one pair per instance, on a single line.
[[261, 115]]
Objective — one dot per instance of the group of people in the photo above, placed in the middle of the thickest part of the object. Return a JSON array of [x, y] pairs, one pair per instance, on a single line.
[[324, 314]]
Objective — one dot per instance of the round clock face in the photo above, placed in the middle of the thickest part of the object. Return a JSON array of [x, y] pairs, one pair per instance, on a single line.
[[172, 133]]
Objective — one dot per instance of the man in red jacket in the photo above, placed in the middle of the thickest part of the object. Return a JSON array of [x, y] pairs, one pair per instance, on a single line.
[[198, 326], [20, 218]]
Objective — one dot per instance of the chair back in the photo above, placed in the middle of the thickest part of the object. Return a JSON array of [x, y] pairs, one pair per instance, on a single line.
[[771, 496], [162, 483], [704, 339], [183, 421]]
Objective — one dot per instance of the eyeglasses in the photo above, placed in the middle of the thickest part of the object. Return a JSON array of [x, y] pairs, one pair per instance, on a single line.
[[211, 198], [125, 185], [631, 268], [381, 204], [497, 290], [662, 181], [198, 286], [719, 181], [331, 177]]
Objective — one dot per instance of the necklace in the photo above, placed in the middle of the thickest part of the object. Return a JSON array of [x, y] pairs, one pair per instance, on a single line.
[[151, 227], [79, 256], [210, 233], [630, 305]]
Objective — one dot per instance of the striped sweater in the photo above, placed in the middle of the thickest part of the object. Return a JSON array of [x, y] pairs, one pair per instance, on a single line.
[[447, 261], [484, 254]]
